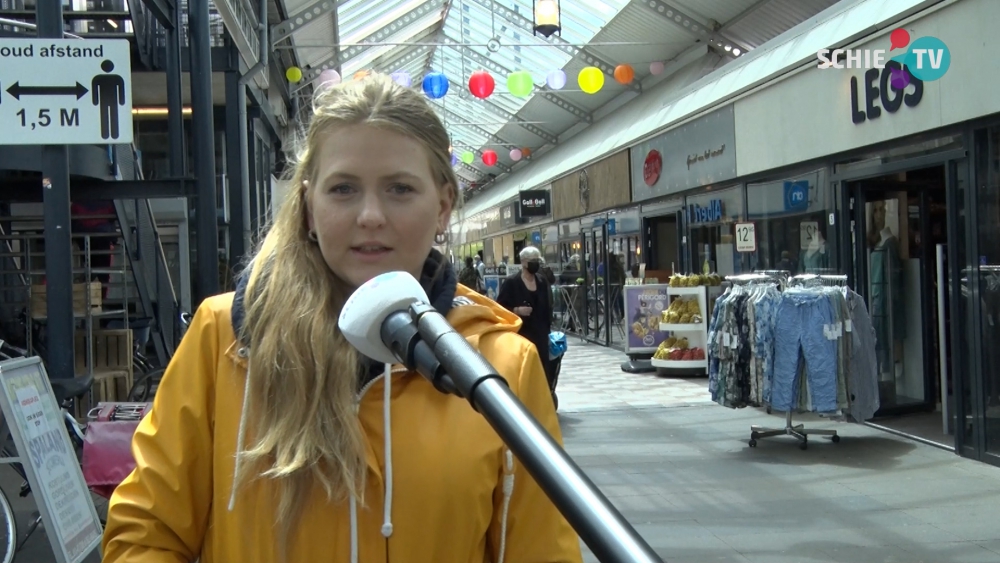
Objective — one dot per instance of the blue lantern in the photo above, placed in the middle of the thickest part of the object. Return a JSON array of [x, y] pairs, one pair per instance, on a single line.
[[435, 85]]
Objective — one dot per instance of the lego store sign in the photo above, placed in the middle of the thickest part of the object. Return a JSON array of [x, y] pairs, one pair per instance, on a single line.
[[889, 83]]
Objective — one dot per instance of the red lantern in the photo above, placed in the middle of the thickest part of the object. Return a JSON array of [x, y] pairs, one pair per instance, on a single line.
[[489, 157], [481, 84], [624, 73]]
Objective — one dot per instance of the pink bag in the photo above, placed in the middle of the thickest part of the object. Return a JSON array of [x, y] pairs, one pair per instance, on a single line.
[[107, 446]]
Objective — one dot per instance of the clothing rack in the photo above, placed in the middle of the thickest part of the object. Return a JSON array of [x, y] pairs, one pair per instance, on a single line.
[[783, 280]]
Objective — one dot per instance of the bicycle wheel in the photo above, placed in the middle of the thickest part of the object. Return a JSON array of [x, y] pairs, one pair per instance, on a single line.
[[8, 530], [145, 388]]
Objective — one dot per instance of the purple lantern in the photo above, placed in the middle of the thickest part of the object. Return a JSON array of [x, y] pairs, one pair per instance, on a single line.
[[656, 68], [516, 154], [402, 78], [454, 159], [556, 79]]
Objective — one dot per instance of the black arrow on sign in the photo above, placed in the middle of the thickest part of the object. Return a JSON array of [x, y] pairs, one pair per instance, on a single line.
[[17, 90]]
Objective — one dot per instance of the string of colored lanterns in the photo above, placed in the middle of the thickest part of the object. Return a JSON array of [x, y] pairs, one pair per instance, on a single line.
[[482, 84]]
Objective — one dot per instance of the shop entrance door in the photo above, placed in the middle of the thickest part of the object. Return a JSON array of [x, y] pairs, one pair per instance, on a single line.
[[592, 300], [901, 237]]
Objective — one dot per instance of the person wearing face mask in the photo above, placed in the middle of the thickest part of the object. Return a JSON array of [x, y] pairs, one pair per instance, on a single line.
[[526, 294]]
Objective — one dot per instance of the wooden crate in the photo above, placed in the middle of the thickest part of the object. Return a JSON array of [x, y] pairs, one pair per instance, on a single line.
[[40, 307], [113, 368]]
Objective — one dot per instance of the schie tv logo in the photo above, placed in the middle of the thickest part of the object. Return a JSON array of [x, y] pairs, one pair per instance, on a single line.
[[926, 58]]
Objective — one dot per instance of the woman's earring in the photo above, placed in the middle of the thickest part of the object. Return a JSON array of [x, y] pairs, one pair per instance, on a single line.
[[312, 236], [441, 238]]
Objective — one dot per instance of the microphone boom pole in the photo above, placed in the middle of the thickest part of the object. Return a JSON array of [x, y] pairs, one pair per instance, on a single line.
[[423, 340]]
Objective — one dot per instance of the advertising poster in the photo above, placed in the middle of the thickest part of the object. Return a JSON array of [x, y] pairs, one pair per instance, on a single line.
[[53, 470], [492, 283], [643, 306]]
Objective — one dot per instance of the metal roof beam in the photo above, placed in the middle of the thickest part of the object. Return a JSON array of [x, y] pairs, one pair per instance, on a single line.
[[496, 67], [691, 24], [556, 41], [308, 14], [491, 137], [369, 42], [504, 114]]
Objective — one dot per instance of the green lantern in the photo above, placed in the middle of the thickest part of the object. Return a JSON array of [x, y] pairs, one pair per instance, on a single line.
[[468, 157], [520, 83]]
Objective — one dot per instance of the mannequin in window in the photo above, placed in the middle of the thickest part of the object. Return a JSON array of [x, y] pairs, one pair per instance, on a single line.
[[814, 259], [887, 303]]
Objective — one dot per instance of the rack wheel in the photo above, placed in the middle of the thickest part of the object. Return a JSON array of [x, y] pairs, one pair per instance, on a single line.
[[804, 445], [835, 439], [754, 435], [753, 443]]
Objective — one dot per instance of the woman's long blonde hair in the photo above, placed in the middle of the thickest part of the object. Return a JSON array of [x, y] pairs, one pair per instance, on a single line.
[[300, 404]]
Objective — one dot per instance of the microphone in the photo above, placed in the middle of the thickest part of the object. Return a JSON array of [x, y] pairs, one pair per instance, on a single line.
[[389, 319]]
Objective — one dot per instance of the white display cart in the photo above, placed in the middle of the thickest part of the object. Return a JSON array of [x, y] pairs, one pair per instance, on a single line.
[[696, 333]]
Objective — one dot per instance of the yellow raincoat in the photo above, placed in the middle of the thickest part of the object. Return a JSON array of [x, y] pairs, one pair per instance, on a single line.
[[448, 496]]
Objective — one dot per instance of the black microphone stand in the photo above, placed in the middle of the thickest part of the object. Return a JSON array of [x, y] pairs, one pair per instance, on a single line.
[[423, 340]]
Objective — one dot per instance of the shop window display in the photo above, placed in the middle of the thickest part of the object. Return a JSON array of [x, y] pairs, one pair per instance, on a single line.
[[711, 218], [792, 224]]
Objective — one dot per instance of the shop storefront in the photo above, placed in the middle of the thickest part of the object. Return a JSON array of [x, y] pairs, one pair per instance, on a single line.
[[591, 273], [889, 176], [698, 159], [792, 224]]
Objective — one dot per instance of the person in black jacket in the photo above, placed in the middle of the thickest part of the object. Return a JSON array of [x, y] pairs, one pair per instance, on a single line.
[[527, 295]]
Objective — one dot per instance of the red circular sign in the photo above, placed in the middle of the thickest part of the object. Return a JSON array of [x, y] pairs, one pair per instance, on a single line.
[[652, 167]]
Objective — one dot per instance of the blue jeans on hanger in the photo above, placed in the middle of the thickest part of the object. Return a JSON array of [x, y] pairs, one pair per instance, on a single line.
[[799, 328]]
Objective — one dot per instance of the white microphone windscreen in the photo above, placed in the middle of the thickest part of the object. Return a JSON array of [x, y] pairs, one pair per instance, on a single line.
[[362, 316]]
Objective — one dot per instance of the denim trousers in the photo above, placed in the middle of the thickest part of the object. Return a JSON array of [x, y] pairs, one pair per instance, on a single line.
[[799, 330]]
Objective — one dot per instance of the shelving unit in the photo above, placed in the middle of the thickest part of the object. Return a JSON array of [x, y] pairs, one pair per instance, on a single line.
[[105, 354], [696, 333]]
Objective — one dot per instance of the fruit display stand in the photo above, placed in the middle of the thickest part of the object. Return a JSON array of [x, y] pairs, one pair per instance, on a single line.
[[685, 349], [684, 321]]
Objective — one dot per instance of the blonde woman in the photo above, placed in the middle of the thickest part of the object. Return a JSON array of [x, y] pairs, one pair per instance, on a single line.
[[271, 440]]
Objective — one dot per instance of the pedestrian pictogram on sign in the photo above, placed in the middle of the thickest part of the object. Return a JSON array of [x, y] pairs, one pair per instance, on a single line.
[[65, 92]]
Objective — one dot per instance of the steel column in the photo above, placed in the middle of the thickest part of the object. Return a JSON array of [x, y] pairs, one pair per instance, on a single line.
[[175, 118], [58, 235], [235, 176], [203, 133]]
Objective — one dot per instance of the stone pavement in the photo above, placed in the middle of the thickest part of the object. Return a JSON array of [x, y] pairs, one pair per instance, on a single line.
[[683, 474], [591, 379]]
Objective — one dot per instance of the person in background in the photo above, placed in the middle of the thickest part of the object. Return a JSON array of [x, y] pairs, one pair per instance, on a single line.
[[273, 440], [527, 295], [469, 276], [480, 265]]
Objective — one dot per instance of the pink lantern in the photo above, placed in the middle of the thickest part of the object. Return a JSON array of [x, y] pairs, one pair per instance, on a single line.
[[481, 84], [515, 154], [489, 157], [656, 68], [329, 77]]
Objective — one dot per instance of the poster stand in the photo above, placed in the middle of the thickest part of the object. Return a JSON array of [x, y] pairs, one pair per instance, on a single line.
[[644, 303], [34, 420]]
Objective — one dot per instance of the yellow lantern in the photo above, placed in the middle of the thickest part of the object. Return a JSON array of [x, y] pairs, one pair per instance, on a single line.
[[293, 74], [591, 80]]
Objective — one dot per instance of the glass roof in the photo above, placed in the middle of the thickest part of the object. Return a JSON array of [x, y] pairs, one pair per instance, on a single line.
[[469, 26]]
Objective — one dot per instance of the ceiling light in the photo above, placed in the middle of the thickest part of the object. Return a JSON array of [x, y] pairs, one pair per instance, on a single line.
[[737, 52], [547, 21]]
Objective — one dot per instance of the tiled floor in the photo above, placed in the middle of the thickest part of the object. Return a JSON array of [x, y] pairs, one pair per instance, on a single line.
[[680, 469], [591, 379]]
